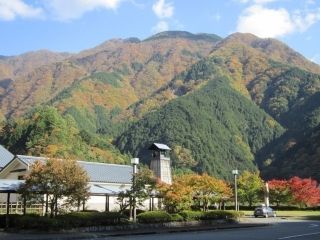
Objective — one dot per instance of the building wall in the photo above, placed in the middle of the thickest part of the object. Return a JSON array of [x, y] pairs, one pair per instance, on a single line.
[[93, 203], [99, 202], [11, 171]]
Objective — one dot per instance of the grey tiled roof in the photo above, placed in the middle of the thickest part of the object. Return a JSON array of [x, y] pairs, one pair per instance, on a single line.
[[5, 157], [29, 160], [97, 172], [103, 172]]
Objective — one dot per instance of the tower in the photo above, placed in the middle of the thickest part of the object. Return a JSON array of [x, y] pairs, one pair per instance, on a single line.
[[160, 162]]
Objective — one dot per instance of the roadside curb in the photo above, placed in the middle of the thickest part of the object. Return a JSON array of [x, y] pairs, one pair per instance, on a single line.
[[191, 229]]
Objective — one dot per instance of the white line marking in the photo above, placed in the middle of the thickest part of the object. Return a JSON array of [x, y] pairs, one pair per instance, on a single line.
[[301, 235], [313, 225]]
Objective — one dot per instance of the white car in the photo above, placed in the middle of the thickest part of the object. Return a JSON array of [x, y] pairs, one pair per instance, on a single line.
[[264, 212]]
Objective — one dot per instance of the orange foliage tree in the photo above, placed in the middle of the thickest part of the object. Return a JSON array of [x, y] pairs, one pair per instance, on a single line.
[[279, 191], [305, 191], [193, 189], [177, 196], [58, 180], [207, 189]]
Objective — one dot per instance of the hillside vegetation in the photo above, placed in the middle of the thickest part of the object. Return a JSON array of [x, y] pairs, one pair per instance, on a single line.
[[222, 128], [238, 102]]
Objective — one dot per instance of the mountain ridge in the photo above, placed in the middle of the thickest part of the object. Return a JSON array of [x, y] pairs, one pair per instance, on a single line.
[[122, 87]]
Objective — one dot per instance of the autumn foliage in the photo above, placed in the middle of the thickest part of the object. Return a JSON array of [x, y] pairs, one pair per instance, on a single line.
[[305, 191], [279, 191], [194, 190], [58, 180], [301, 191]]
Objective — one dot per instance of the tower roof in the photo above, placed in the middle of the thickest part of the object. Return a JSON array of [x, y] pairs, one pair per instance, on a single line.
[[159, 146]]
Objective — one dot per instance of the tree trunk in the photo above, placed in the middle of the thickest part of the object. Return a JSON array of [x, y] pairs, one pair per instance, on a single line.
[[47, 205], [130, 209], [52, 203], [56, 207]]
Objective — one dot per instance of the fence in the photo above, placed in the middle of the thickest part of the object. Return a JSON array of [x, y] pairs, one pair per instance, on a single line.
[[17, 208]]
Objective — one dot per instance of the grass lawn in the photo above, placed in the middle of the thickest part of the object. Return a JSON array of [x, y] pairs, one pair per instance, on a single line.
[[310, 215]]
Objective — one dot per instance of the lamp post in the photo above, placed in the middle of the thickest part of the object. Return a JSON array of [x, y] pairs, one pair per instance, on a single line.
[[235, 174], [134, 162]]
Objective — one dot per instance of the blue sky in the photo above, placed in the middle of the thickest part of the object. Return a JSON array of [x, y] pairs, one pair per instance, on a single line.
[[75, 25]]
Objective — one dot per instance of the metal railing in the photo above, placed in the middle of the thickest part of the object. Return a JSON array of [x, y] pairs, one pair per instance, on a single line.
[[17, 208]]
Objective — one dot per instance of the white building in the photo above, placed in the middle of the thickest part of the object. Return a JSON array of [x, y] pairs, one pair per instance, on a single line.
[[106, 180]]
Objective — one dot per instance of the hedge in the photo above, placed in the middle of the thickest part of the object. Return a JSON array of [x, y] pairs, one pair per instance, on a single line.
[[67, 221], [176, 217], [218, 214], [191, 215], [154, 217], [86, 219], [126, 212]]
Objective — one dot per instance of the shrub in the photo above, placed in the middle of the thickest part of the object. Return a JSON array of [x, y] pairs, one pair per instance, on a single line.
[[86, 219], [191, 215], [31, 221], [176, 217], [71, 220], [154, 217], [126, 212], [218, 214]]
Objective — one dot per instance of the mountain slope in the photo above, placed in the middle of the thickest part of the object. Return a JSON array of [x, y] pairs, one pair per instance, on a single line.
[[240, 101], [144, 66], [221, 127]]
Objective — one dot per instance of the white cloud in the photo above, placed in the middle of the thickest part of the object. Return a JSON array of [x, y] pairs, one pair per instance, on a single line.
[[311, 2], [72, 9], [10, 9], [256, 1], [160, 27], [267, 22], [264, 1], [163, 9], [305, 21]]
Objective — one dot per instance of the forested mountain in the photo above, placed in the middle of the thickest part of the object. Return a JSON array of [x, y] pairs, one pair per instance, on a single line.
[[240, 101], [105, 74], [222, 128]]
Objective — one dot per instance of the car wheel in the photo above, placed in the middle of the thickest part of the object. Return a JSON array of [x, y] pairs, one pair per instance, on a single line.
[[255, 216]]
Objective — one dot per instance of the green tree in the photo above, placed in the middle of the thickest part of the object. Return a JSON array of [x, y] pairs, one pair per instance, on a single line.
[[144, 184], [63, 182], [250, 187], [45, 132]]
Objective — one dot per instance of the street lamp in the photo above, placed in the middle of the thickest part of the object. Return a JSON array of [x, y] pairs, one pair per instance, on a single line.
[[134, 162], [235, 174]]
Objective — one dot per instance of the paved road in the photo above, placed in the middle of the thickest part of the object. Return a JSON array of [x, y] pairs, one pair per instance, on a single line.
[[278, 230]]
